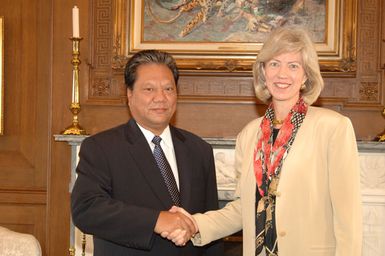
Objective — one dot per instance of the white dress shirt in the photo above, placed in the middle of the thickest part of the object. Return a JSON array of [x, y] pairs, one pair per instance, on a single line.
[[167, 147]]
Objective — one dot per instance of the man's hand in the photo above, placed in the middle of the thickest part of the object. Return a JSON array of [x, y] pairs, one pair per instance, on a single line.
[[175, 222], [181, 210], [179, 236]]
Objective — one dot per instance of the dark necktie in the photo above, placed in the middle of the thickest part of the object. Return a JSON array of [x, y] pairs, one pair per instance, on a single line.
[[166, 171]]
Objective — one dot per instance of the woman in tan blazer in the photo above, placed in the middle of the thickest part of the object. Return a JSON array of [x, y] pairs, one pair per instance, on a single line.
[[299, 190]]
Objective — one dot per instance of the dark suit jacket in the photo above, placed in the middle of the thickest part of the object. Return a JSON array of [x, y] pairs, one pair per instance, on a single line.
[[119, 191]]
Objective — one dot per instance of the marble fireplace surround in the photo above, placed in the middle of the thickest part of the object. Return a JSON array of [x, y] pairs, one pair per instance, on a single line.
[[372, 163]]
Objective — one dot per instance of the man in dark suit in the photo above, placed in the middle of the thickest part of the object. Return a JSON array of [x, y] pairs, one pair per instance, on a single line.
[[124, 191]]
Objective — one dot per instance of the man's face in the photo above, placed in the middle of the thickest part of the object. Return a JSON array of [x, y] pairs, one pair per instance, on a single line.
[[152, 100]]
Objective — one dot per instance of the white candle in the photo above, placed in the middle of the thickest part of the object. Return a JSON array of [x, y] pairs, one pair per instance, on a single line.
[[75, 22]]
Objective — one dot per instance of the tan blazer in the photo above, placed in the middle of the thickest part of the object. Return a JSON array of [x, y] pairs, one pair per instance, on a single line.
[[318, 207]]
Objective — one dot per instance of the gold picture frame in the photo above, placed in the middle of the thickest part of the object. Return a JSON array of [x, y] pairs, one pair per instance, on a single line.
[[1, 75], [337, 50]]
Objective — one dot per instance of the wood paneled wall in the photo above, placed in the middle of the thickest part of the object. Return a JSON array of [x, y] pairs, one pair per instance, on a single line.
[[25, 145], [34, 169]]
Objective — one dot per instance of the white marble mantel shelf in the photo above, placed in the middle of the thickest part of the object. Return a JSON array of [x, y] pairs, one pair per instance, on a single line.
[[71, 139], [371, 146]]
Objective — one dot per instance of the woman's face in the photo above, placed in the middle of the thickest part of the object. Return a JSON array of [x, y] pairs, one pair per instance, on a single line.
[[284, 76]]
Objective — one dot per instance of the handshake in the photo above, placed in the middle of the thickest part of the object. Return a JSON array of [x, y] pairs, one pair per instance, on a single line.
[[177, 225]]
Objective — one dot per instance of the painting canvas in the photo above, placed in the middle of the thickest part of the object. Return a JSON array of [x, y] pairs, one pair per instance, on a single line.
[[247, 21], [1, 75]]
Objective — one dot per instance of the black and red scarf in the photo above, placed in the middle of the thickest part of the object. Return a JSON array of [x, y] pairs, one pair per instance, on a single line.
[[268, 159]]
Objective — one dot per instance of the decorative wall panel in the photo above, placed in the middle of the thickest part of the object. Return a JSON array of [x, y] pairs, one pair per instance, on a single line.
[[110, 27]]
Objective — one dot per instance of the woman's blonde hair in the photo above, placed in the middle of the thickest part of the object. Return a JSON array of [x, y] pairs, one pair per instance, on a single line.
[[285, 40]]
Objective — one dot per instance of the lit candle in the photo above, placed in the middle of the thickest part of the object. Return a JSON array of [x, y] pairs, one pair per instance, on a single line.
[[75, 22]]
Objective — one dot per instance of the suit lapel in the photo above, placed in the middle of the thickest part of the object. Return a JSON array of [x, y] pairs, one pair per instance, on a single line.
[[141, 153], [185, 166]]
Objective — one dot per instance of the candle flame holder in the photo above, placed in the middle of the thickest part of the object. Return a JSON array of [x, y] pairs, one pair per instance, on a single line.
[[75, 128]]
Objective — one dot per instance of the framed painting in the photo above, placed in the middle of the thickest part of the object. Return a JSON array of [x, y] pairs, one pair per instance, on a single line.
[[212, 35], [1, 75]]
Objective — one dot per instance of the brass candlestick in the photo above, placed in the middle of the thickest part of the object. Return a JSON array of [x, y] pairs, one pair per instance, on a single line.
[[75, 128], [84, 245], [72, 251], [381, 137]]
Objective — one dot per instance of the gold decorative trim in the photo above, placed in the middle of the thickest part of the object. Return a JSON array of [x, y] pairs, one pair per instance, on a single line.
[[120, 36], [369, 91]]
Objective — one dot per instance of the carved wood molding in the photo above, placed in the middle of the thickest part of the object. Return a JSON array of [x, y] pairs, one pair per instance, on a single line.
[[109, 48], [24, 197]]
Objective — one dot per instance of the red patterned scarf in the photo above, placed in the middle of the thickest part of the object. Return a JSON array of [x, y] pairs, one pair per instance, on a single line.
[[268, 160]]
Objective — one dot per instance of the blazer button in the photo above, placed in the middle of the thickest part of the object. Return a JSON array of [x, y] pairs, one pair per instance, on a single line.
[[282, 233], [278, 193]]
